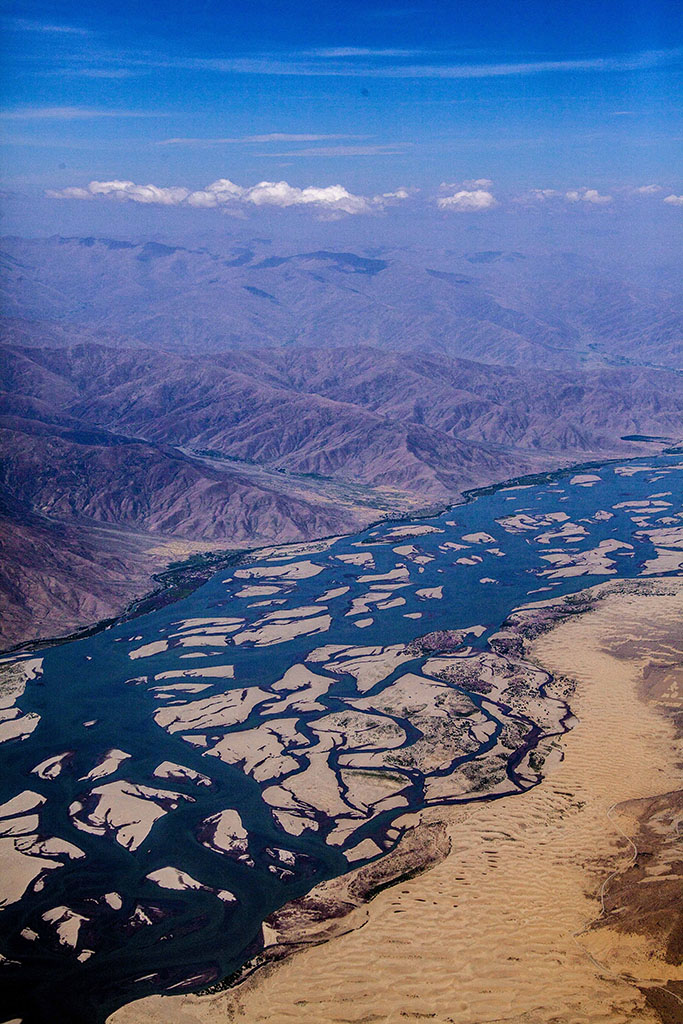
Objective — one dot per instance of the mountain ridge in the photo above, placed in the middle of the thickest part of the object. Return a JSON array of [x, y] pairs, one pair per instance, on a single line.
[[124, 434]]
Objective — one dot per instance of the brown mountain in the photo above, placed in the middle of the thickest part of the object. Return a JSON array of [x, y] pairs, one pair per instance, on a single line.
[[120, 454]]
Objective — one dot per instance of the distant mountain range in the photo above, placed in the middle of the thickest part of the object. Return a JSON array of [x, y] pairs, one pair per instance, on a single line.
[[158, 400], [553, 310]]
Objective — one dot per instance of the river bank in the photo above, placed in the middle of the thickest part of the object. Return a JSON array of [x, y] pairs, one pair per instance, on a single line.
[[180, 578]]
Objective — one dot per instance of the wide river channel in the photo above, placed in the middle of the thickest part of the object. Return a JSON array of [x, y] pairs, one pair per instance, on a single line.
[[169, 782]]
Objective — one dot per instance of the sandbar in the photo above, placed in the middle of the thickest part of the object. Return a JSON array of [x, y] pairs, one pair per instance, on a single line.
[[173, 878]]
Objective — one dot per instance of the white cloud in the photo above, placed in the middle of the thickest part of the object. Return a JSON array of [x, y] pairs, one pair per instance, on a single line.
[[273, 193], [591, 195], [587, 195], [361, 51], [203, 199], [123, 191], [270, 137], [70, 113], [25, 25], [78, 72], [333, 198], [346, 62], [398, 194], [471, 196], [470, 184], [219, 193], [294, 137], [68, 193], [395, 150], [467, 201], [370, 63], [330, 199], [478, 183], [148, 194], [537, 196]]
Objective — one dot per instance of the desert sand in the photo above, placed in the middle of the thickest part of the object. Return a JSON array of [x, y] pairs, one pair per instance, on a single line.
[[107, 764], [14, 675], [295, 571], [178, 772], [266, 633], [536, 914], [123, 810], [25, 855], [173, 878]]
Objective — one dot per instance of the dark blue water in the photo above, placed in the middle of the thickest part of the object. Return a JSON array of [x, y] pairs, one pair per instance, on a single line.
[[148, 938]]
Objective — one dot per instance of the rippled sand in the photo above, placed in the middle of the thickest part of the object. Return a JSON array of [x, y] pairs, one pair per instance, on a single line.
[[497, 931]]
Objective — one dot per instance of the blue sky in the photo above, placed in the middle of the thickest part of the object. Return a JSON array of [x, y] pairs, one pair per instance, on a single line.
[[377, 97]]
